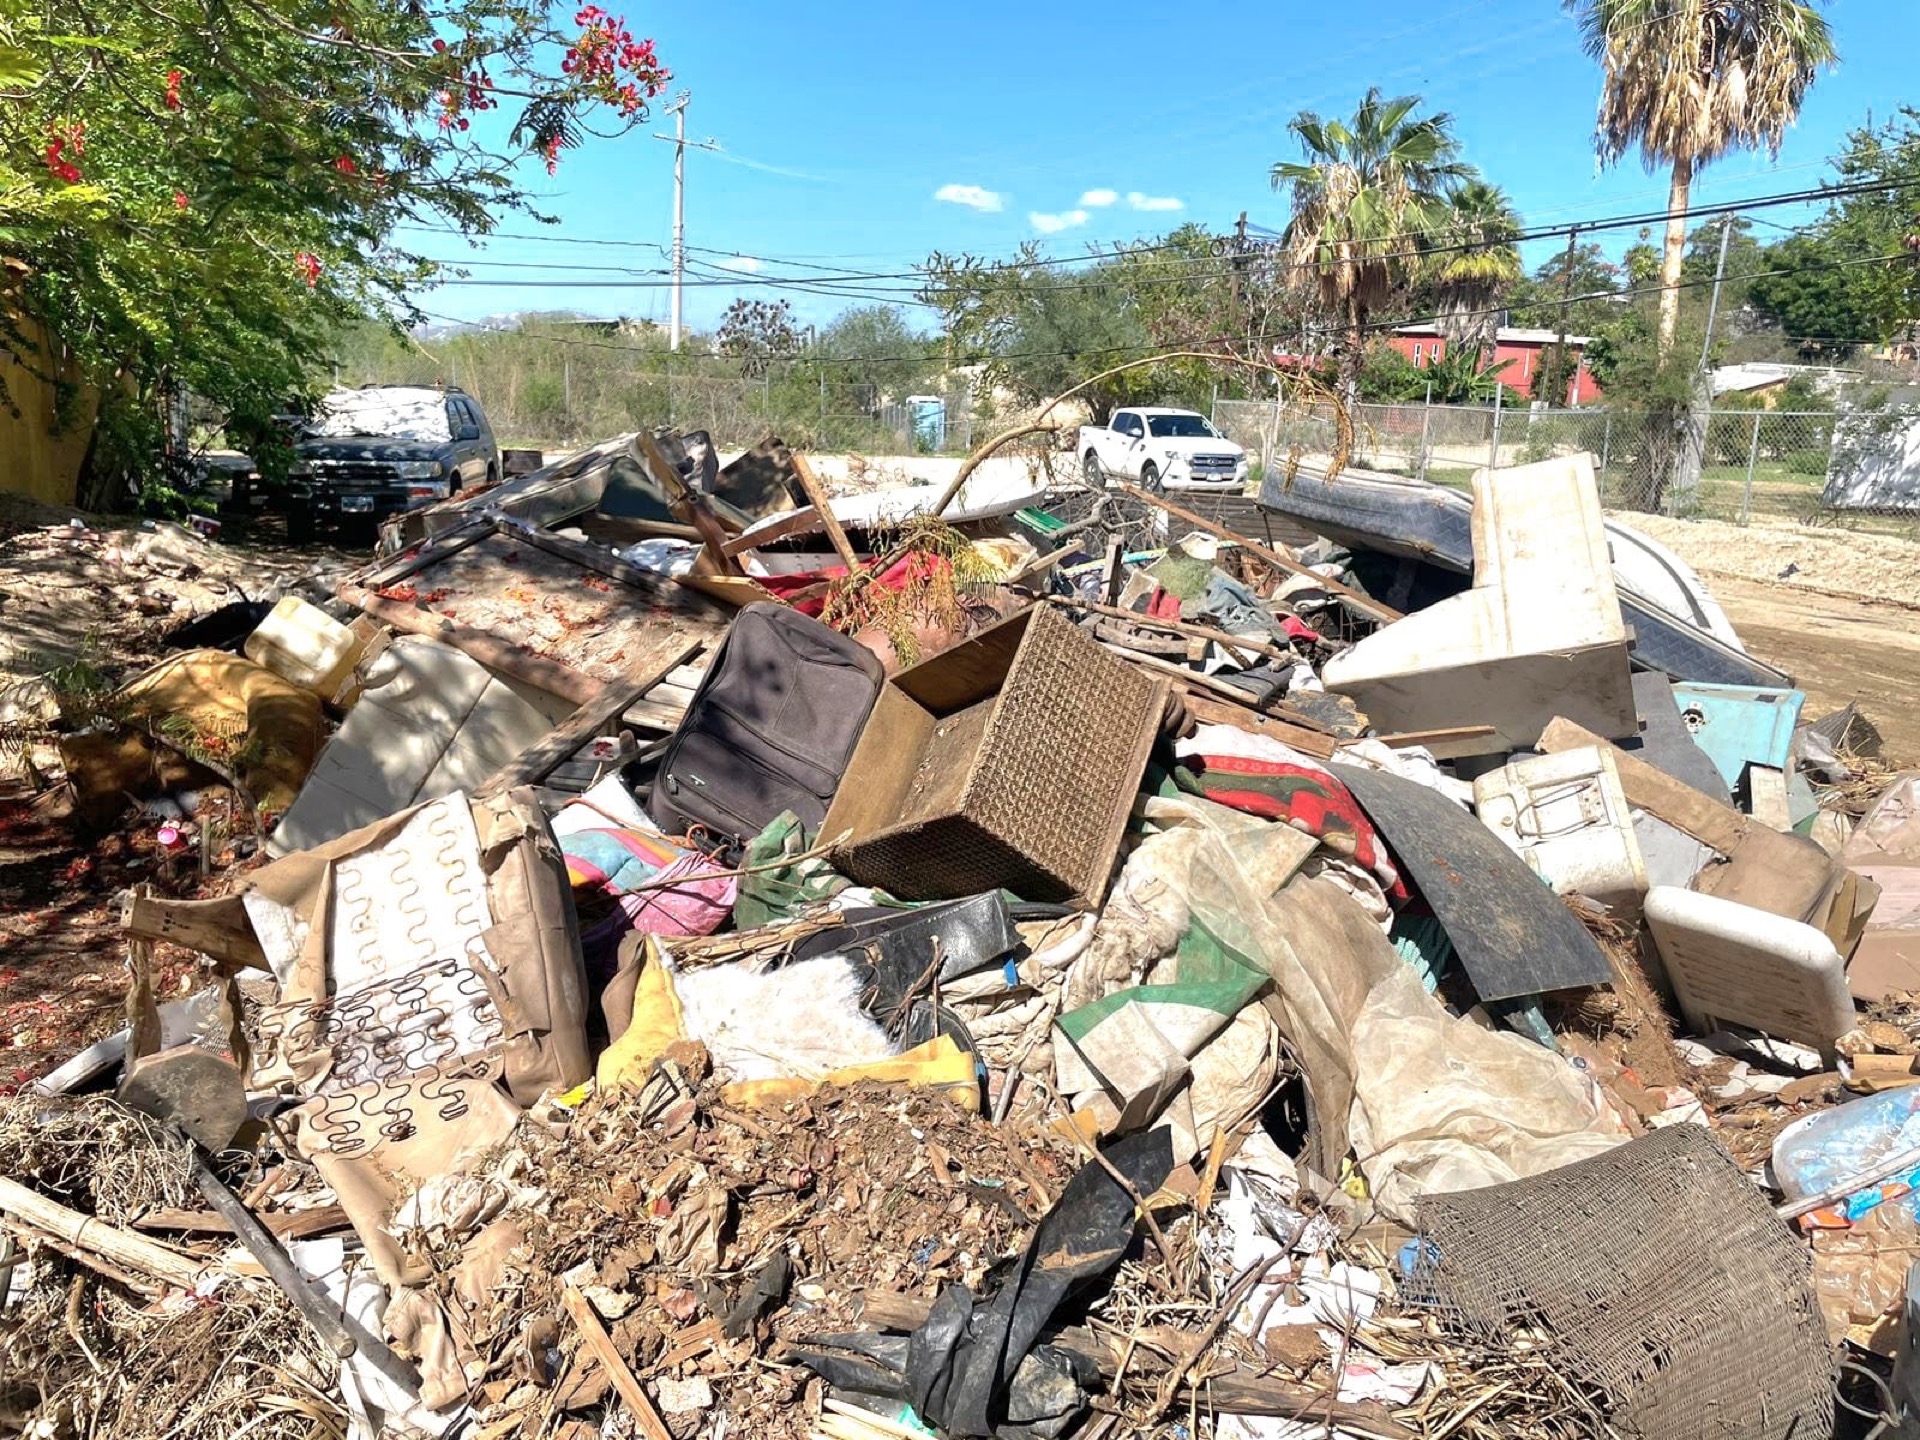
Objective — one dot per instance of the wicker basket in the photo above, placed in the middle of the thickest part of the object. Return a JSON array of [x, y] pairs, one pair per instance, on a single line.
[[1010, 761]]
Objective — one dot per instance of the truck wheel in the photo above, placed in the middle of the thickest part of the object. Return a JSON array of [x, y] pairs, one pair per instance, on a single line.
[[1150, 478], [300, 526], [1091, 472]]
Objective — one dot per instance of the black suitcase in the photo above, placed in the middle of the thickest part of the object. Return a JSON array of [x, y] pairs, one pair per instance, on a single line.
[[771, 728]]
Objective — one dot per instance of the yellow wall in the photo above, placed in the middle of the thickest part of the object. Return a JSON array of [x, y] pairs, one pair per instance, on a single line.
[[33, 460]]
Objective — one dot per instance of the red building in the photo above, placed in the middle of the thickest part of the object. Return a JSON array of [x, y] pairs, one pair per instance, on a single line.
[[1423, 344]]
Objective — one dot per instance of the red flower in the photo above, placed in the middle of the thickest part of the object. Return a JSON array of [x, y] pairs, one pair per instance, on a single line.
[[180, 201], [552, 151], [439, 47], [60, 140], [173, 89], [308, 264], [344, 164]]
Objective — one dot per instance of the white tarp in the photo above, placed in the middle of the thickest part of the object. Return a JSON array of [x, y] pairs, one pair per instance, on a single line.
[[1876, 463]]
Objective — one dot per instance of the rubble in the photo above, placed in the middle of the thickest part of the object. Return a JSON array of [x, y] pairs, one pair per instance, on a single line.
[[667, 948]]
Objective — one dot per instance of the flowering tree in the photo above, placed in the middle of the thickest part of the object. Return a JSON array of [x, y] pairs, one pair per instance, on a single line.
[[194, 193]]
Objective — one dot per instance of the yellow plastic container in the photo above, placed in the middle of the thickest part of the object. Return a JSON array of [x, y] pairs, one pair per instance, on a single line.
[[302, 643]]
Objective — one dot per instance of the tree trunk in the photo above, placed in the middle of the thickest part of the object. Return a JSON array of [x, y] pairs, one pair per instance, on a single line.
[[1676, 253], [1353, 352]]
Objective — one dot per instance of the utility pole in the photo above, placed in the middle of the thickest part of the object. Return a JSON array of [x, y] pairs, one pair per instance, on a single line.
[[678, 109], [1719, 274], [1566, 304], [1238, 264]]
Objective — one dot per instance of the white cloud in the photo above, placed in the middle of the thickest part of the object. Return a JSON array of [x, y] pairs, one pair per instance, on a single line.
[[745, 264], [971, 196], [1154, 202], [1054, 224], [1099, 199]]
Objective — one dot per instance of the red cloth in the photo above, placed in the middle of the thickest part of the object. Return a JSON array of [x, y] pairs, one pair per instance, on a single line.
[[895, 577]]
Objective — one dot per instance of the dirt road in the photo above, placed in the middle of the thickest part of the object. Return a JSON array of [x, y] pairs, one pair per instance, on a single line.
[[1838, 650]]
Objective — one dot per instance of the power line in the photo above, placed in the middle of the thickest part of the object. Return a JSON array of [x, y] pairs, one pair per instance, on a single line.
[[1289, 333], [841, 285]]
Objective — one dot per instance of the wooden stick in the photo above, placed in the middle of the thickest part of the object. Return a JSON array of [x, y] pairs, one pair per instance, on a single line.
[[1366, 604], [489, 649], [1239, 644], [90, 1236], [1405, 739], [824, 509], [539, 760], [600, 1345]]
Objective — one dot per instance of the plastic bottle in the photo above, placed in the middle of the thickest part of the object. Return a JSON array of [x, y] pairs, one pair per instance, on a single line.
[[302, 643]]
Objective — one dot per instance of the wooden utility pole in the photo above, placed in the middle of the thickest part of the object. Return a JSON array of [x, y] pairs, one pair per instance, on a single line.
[[1566, 304]]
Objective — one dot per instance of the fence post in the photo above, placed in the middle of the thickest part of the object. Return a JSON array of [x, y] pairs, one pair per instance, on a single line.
[[1753, 456], [1213, 411], [1426, 427], [1606, 451], [1493, 450]]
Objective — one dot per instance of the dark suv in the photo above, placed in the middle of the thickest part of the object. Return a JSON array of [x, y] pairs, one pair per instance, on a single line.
[[382, 448]]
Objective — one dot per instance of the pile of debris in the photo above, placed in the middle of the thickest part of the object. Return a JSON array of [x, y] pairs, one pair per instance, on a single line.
[[687, 954]]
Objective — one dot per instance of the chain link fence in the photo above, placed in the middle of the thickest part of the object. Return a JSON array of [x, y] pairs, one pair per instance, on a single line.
[[1755, 466], [562, 394]]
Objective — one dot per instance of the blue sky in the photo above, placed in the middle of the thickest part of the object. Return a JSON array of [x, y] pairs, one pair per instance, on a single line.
[[844, 125]]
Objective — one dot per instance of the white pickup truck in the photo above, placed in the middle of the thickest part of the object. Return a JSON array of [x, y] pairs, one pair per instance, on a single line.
[[1161, 449]]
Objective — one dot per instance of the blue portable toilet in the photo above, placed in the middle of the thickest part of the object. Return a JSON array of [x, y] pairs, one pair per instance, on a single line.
[[929, 414]]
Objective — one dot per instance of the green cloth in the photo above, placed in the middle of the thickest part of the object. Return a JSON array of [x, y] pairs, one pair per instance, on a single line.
[[780, 893]]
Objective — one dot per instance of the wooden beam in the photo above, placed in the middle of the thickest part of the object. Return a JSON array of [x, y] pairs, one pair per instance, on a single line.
[[490, 650], [823, 507], [538, 760], [1407, 739], [600, 1346], [1366, 604]]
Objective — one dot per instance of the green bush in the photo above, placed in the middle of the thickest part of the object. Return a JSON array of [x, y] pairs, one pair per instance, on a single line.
[[1807, 462]]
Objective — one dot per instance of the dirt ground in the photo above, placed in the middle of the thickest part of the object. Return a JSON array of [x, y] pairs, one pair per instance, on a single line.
[[1837, 609], [1837, 650]]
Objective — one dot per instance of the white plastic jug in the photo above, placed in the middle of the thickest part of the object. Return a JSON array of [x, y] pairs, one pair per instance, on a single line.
[[302, 643]]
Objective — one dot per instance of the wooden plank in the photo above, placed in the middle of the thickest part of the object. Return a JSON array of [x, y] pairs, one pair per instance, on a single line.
[[218, 928], [1213, 712], [1366, 604], [823, 507], [287, 1224], [688, 507], [800, 522], [600, 1346], [538, 760], [483, 645], [1406, 739]]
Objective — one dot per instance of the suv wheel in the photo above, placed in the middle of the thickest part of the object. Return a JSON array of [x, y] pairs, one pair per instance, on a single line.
[[1091, 472], [1150, 478], [301, 525]]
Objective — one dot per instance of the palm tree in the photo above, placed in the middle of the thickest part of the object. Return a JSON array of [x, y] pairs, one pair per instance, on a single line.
[[1689, 80], [1369, 189], [1473, 262]]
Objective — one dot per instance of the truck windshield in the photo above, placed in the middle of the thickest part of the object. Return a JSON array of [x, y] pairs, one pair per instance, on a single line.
[[1182, 427]]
